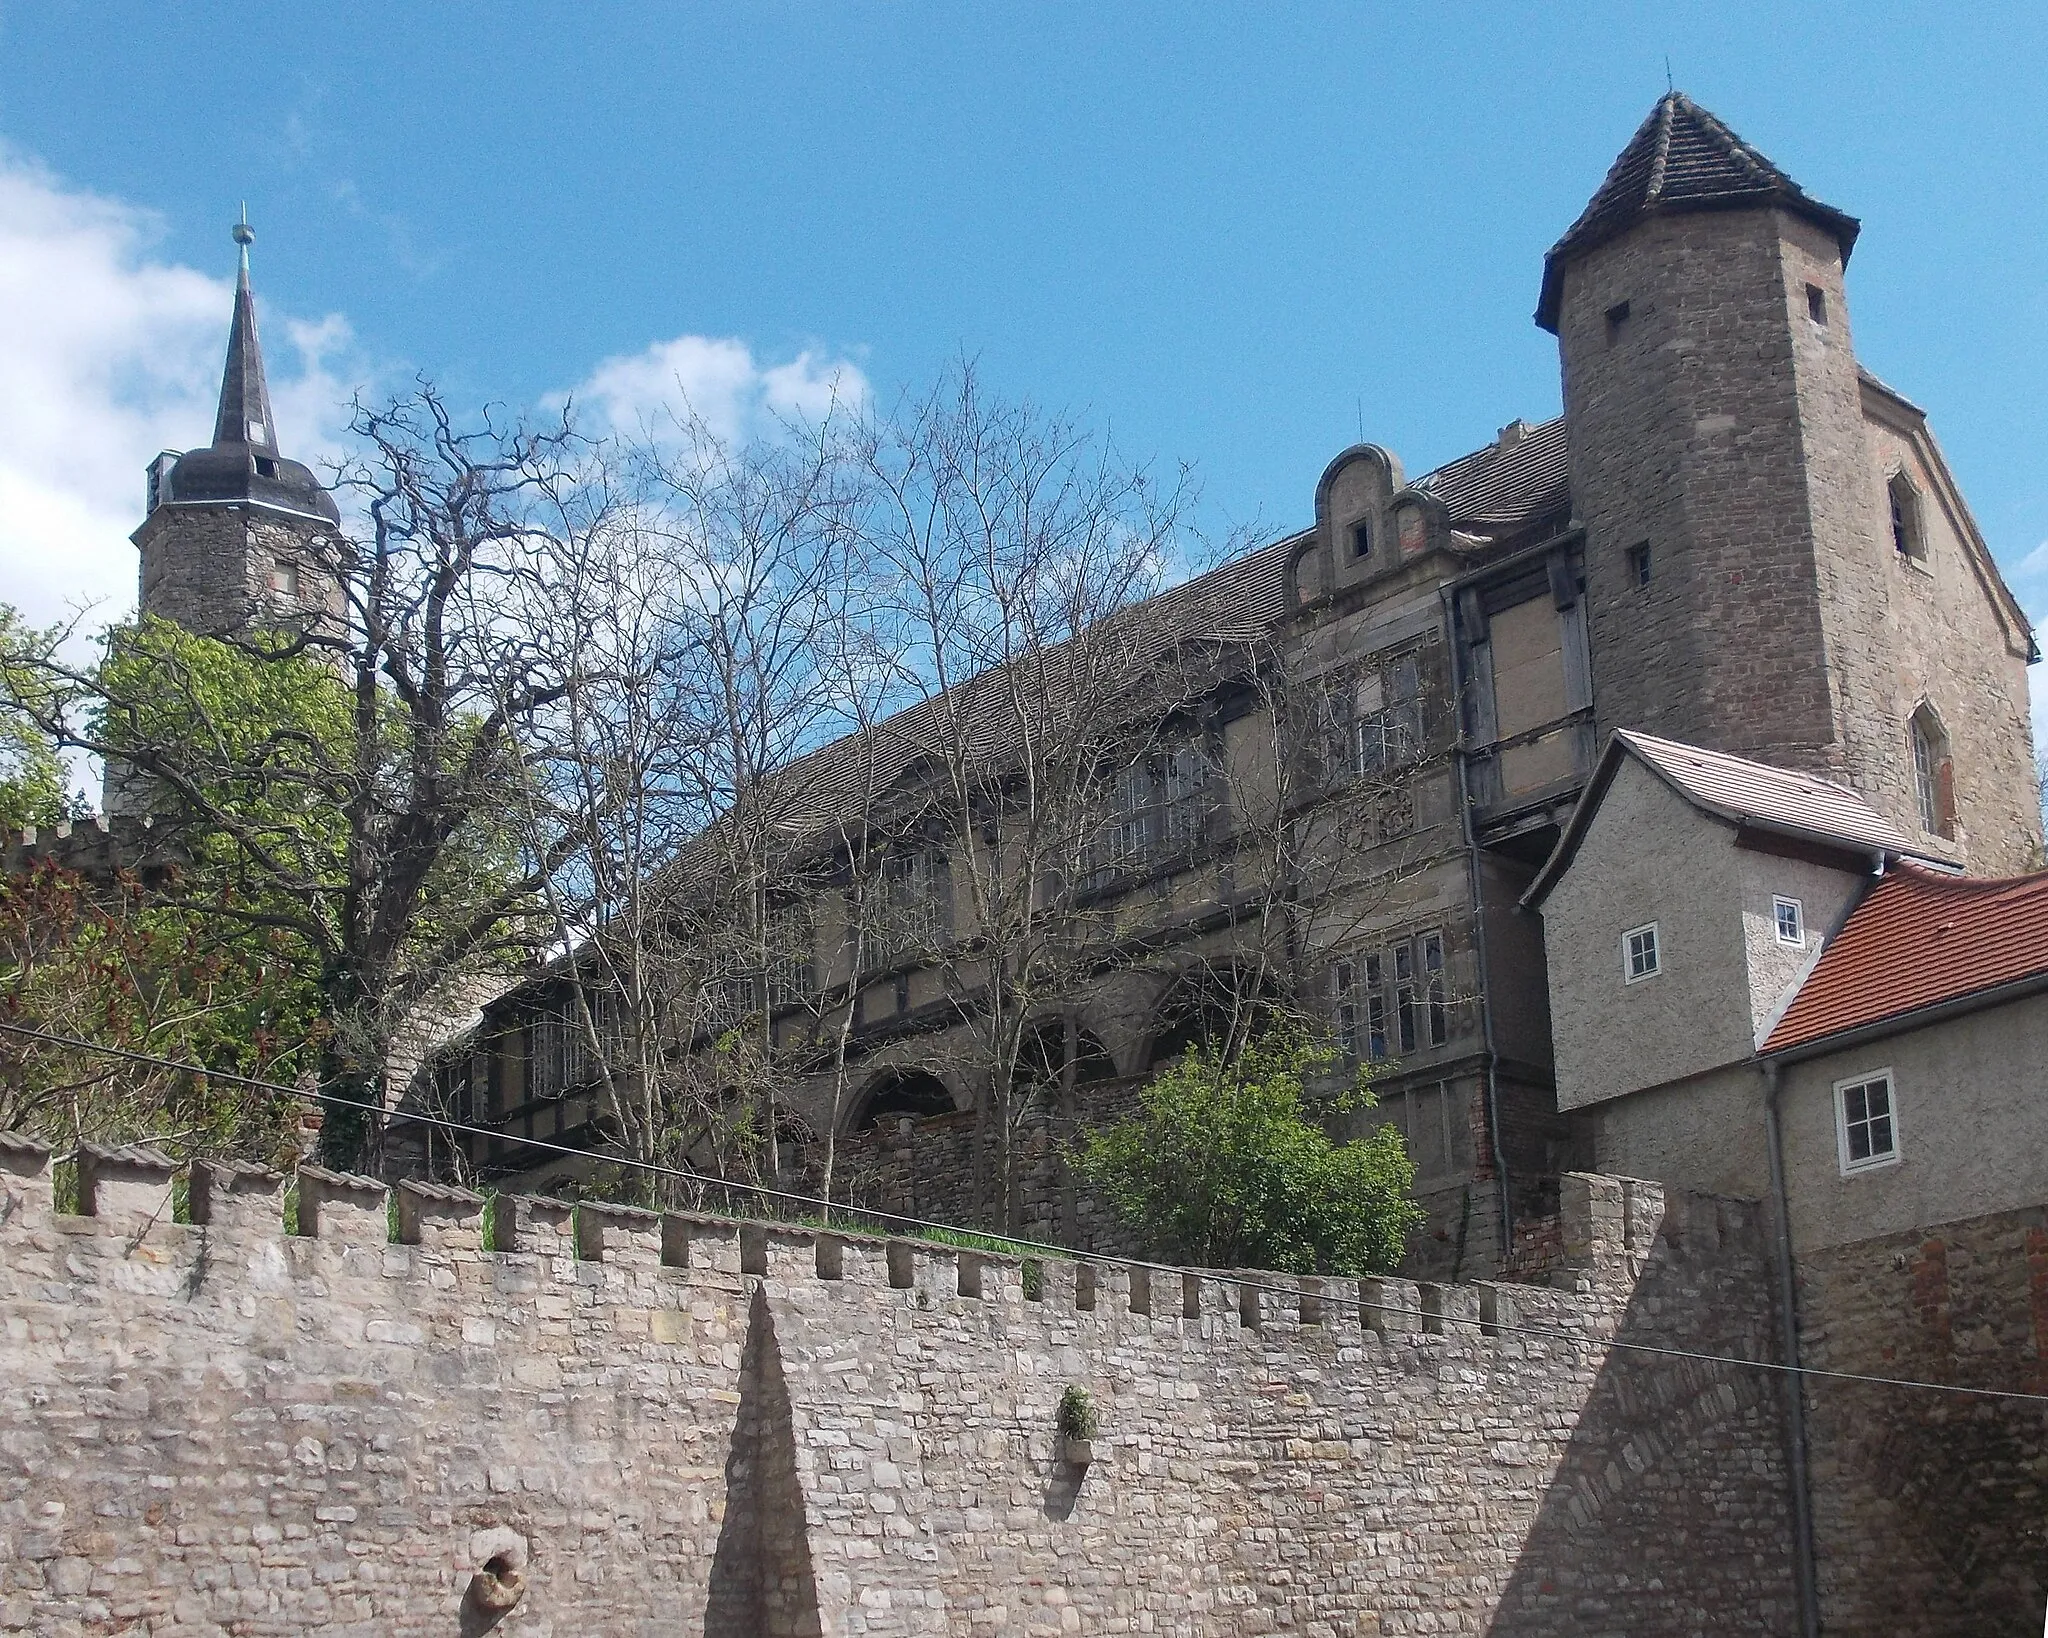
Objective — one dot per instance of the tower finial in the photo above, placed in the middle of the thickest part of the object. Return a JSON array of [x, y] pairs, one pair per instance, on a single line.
[[245, 236]]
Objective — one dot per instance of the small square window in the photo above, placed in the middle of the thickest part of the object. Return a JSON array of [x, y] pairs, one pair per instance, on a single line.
[[1639, 563], [1790, 916], [284, 578], [1361, 538], [1817, 305], [1866, 1124], [1639, 954], [1617, 320]]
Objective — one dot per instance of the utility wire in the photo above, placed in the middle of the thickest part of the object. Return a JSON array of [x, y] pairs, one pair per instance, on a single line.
[[1066, 1253]]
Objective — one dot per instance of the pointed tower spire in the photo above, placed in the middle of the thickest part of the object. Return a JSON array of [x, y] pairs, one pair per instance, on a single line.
[[1681, 159], [244, 416]]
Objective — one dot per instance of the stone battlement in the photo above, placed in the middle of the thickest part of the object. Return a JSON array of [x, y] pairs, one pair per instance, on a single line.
[[696, 1424], [1608, 1227]]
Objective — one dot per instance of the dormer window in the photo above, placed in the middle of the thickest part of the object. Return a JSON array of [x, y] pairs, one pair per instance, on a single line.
[[1908, 539], [1361, 539]]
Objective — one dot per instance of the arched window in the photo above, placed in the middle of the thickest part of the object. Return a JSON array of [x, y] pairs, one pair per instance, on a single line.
[[1934, 783], [900, 1092], [1907, 535]]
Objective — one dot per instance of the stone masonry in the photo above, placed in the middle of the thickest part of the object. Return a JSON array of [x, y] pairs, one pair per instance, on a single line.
[[692, 1425]]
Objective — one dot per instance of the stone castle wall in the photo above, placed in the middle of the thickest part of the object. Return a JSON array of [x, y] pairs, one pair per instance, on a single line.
[[686, 1425], [1937, 1505]]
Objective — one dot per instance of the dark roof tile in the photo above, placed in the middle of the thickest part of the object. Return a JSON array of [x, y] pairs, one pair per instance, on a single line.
[[1681, 158]]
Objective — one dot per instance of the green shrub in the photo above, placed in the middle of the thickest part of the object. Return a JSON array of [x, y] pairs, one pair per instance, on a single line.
[[1226, 1166], [1076, 1416]]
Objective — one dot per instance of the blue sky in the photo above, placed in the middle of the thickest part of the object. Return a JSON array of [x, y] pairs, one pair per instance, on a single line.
[[1235, 235]]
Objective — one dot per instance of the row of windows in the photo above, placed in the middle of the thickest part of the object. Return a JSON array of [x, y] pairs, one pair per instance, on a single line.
[[1642, 951], [1388, 1003]]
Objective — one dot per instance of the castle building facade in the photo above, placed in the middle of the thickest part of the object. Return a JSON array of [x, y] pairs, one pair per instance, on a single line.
[[1735, 537]]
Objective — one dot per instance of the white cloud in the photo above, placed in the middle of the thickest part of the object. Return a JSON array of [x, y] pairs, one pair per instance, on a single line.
[[2035, 562], [106, 356], [718, 380]]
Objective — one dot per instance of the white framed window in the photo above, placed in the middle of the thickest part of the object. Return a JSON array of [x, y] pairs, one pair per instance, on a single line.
[[1790, 917], [1641, 957], [1866, 1122]]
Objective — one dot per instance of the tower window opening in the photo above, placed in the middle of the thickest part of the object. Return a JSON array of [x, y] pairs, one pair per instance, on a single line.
[[1908, 538], [265, 467], [1934, 782], [1817, 305], [1639, 563], [256, 431], [284, 578], [1617, 320], [1361, 538]]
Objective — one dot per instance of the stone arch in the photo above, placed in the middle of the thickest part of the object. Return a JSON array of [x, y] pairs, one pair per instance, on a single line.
[[1041, 1062], [1213, 1007], [900, 1091]]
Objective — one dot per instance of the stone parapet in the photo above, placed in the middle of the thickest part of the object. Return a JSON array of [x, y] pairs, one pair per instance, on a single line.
[[699, 1424]]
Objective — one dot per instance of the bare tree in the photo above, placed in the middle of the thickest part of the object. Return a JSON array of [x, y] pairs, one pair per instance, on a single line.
[[346, 780]]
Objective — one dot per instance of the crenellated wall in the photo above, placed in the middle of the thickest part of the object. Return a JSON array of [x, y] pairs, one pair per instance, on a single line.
[[687, 1425]]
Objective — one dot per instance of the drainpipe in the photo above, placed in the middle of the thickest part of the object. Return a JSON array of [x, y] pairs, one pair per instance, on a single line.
[[1788, 1343], [1478, 888]]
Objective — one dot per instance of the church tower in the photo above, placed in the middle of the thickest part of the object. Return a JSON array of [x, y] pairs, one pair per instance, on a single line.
[[236, 535], [1778, 563]]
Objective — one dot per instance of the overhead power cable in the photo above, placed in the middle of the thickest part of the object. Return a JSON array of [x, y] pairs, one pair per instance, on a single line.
[[1246, 1280]]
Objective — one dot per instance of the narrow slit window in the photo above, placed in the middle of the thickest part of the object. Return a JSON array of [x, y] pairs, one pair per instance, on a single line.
[[1817, 305], [1934, 782], [1361, 538], [1639, 564], [1908, 538], [1438, 988], [1617, 321], [1404, 995]]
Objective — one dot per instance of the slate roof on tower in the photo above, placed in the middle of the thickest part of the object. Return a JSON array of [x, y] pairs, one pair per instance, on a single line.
[[1681, 159], [243, 462]]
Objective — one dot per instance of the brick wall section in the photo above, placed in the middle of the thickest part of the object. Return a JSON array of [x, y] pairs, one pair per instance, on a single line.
[[216, 1428], [1930, 1511]]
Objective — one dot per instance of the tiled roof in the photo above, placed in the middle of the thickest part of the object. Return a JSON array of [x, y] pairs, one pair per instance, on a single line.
[[1497, 486], [1237, 602], [1681, 158], [1917, 940], [1741, 792]]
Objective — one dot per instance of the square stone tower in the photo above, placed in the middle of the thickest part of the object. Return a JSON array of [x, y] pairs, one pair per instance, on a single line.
[[1778, 563], [236, 535]]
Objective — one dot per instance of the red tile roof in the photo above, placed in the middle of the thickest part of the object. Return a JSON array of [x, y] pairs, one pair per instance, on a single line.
[[1919, 939]]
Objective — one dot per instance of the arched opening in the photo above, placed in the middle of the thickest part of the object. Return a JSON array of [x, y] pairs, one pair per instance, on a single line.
[[900, 1092], [1934, 783], [1040, 1065], [1213, 1010], [1908, 537]]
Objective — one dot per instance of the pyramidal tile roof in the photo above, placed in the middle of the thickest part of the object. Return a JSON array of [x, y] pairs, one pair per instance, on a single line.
[[1681, 158], [1920, 939]]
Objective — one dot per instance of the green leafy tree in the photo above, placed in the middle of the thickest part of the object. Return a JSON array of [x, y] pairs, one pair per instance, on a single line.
[[350, 783], [1226, 1165], [32, 781], [111, 965]]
